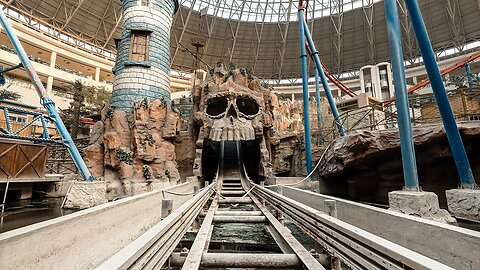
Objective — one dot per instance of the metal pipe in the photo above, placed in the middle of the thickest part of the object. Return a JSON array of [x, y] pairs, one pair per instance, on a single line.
[[468, 70], [323, 77], [242, 260], [306, 114], [239, 219], [410, 175], [232, 192], [235, 200], [319, 109], [45, 100], [446, 113], [238, 213]]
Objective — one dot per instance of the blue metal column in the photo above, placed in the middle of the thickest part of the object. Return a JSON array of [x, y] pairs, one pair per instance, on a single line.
[[45, 100], [469, 76], [410, 174], [451, 129], [318, 64], [319, 109], [306, 114]]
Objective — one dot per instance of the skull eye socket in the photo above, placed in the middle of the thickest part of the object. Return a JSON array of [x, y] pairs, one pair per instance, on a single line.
[[247, 106], [217, 106]]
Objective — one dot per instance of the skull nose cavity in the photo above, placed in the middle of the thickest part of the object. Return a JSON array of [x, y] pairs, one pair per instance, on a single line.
[[231, 113]]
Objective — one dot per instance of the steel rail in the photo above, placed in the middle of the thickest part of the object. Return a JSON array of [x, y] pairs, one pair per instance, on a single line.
[[153, 248], [356, 247], [305, 257]]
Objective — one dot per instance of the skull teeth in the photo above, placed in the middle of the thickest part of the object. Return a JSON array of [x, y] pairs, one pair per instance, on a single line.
[[231, 129]]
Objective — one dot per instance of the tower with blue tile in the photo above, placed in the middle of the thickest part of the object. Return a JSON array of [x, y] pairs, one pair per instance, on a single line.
[[143, 57]]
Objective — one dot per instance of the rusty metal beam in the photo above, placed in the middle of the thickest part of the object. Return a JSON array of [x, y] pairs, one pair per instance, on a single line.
[[241, 260]]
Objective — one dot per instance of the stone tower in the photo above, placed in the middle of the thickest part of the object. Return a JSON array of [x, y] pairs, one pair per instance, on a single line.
[[143, 56], [134, 145]]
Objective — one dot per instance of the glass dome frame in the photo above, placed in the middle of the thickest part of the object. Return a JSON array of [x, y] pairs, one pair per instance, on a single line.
[[271, 11]]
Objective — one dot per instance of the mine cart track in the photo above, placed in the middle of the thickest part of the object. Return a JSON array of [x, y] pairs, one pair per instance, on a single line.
[[358, 249], [232, 191]]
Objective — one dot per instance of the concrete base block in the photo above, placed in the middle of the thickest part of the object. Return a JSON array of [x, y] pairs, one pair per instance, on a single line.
[[464, 203], [86, 194], [419, 203]]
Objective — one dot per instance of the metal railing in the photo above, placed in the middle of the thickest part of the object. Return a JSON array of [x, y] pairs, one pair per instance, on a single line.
[[423, 110], [25, 131], [357, 248], [59, 159]]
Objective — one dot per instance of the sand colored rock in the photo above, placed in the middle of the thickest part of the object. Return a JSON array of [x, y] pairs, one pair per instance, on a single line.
[[137, 152]]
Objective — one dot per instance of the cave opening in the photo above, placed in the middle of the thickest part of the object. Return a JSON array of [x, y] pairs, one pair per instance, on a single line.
[[249, 156]]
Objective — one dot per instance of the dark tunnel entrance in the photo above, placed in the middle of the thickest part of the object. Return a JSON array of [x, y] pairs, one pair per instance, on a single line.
[[249, 154]]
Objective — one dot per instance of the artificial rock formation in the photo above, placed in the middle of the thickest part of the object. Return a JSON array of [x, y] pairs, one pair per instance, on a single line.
[[232, 105], [366, 165], [138, 149]]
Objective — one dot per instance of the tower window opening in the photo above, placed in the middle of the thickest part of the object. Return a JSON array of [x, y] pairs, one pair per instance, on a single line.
[[139, 47]]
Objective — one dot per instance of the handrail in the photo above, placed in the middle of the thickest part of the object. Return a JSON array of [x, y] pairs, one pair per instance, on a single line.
[[357, 248]]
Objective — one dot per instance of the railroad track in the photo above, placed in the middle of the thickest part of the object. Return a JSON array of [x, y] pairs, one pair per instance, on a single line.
[[159, 248], [231, 190]]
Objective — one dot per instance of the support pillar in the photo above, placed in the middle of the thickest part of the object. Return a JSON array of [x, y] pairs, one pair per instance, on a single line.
[[411, 201], [319, 109], [401, 99], [53, 59], [97, 74], [446, 113], [49, 84], [318, 64], [306, 114]]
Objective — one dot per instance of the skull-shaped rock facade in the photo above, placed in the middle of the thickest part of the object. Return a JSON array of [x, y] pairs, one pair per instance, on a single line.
[[232, 105], [234, 113]]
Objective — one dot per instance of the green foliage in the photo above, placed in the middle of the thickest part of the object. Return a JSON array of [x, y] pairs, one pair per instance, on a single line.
[[146, 172], [9, 95], [164, 102], [206, 90], [87, 100], [122, 155], [219, 63], [249, 74], [149, 139], [231, 67], [212, 71], [109, 113], [144, 103], [243, 71]]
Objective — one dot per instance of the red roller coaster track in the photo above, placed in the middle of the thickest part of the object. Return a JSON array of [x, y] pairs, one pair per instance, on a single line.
[[445, 71]]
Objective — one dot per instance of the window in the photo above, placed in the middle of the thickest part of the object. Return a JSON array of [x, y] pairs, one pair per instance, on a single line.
[[139, 47], [18, 119], [144, 2]]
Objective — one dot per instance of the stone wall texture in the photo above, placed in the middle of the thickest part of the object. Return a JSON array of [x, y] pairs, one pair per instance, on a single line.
[[135, 80]]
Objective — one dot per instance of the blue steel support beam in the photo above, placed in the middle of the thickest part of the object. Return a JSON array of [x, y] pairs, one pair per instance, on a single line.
[[318, 64], [451, 129], [319, 109], [306, 114], [469, 76], [410, 174], [45, 100]]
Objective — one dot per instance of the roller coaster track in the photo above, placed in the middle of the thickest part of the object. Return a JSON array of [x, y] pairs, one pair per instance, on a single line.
[[158, 247], [443, 72]]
